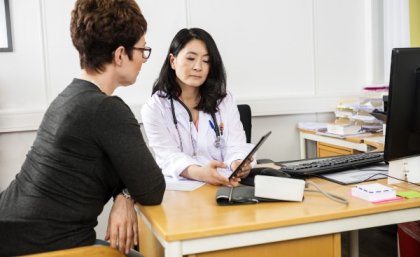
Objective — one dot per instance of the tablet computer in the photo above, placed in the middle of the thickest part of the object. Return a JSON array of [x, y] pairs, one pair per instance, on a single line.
[[252, 152]]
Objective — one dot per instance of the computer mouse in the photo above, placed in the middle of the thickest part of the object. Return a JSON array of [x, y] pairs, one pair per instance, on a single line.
[[249, 180], [274, 172]]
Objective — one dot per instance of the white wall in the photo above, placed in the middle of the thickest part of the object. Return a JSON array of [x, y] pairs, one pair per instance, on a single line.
[[291, 60], [282, 57]]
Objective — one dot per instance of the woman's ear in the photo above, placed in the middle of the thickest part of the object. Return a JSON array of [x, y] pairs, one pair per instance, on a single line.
[[118, 55], [172, 61]]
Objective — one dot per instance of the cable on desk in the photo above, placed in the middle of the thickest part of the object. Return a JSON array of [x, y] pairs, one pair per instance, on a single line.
[[376, 174], [330, 196]]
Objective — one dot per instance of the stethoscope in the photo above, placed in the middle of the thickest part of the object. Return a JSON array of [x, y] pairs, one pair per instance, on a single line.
[[214, 126]]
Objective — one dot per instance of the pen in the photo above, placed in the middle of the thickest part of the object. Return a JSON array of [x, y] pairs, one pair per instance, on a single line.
[[212, 125]]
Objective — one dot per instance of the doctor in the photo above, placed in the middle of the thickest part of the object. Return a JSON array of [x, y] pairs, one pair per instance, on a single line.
[[191, 121]]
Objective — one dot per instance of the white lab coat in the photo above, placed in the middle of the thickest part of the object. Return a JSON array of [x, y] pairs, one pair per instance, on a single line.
[[164, 140]]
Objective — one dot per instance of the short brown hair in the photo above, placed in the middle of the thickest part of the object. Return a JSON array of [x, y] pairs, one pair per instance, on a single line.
[[98, 27]]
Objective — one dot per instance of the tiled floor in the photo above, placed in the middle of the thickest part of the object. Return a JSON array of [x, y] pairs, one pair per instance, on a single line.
[[374, 242]]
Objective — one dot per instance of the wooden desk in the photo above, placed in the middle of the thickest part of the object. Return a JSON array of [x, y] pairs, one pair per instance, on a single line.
[[376, 142], [329, 146], [191, 223]]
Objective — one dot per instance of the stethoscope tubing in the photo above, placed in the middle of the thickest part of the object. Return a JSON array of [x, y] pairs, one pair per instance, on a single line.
[[217, 142]]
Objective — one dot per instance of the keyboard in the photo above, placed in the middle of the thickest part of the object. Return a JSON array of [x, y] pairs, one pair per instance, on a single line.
[[310, 167]]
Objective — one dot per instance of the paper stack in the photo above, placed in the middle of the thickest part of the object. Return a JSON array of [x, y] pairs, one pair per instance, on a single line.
[[358, 111], [312, 126], [373, 192], [343, 129]]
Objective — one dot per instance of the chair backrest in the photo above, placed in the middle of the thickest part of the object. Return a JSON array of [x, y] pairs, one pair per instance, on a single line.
[[245, 116], [84, 251]]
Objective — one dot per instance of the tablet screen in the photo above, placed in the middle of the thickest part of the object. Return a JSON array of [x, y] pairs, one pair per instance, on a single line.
[[252, 152]]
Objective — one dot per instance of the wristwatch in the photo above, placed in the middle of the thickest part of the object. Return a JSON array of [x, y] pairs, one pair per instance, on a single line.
[[125, 193]]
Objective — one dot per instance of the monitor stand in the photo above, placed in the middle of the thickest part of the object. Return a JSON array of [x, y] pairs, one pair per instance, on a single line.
[[407, 169]]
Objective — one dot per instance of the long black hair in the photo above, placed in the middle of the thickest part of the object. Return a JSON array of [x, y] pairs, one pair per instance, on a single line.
[[213, 89]]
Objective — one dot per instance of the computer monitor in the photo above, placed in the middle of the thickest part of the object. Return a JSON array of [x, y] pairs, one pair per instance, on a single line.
[[402, 138]]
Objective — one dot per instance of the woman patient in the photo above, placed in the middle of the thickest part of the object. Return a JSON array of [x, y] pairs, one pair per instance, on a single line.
[[88, 146]]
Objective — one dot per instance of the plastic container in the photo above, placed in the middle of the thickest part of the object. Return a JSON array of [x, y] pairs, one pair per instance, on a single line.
[[409, 239]]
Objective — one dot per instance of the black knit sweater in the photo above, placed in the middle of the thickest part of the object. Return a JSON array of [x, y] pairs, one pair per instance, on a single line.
[[88, 147]]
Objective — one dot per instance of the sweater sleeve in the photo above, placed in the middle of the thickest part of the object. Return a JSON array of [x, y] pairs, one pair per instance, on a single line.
[[118, 134]]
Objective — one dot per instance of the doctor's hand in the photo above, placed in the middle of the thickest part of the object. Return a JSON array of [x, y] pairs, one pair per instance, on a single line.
[[209, 174], [122, 225], [246, 168]]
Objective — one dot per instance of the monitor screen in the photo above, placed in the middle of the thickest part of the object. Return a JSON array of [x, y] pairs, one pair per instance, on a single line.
[[402, 139]]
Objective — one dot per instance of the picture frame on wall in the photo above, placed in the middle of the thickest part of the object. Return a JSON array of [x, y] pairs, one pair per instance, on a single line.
[[5, 27]]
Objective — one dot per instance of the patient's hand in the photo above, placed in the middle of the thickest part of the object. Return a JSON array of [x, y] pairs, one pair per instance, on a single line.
[[122, 225]]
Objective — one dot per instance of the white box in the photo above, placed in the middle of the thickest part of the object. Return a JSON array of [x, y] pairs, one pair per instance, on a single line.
[[279, 188], [373, 192]]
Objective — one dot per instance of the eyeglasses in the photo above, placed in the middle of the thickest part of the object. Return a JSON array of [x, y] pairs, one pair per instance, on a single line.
[[146, 51]]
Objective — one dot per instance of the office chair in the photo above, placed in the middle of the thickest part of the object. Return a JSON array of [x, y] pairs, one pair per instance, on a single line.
[[84, 251], [245, 115]]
